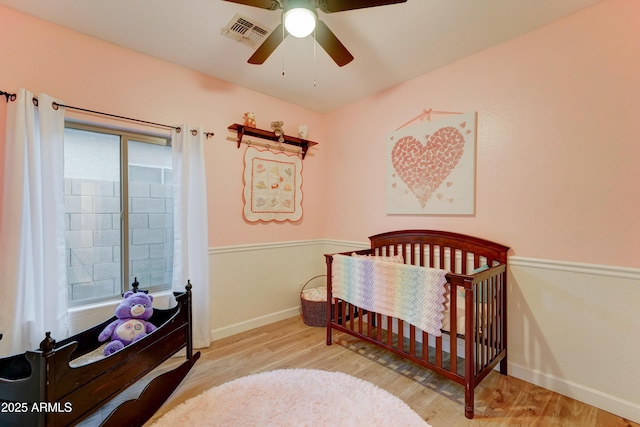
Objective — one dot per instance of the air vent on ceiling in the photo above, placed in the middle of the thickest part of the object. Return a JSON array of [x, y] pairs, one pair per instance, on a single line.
[[245, 31]]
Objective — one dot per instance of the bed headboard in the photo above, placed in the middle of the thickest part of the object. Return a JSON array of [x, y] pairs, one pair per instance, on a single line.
[[455, 252]]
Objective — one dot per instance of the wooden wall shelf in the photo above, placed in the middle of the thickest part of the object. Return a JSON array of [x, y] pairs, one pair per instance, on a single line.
[[242, 130]]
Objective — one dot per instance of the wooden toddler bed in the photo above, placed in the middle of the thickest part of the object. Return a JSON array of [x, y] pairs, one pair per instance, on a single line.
[[48, 387], [472, 339]]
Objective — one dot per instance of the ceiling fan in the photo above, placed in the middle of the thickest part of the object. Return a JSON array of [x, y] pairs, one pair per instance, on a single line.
[[307, 8]]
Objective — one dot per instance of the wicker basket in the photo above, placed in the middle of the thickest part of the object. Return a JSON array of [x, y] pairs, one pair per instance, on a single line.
[[314, 313]]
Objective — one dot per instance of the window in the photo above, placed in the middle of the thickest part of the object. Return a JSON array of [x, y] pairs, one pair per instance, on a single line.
[[118, 220]]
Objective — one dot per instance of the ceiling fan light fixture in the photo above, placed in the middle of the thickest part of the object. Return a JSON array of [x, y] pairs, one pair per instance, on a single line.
[[300, 21]]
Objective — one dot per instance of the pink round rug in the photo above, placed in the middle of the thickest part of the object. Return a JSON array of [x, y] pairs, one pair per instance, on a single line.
[[293, 397]]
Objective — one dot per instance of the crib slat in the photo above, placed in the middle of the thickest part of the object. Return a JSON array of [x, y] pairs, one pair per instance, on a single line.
[[493, 313], [453, 252], [425, 346], [463, 262], [367, 320], [351, 316], [431, 261], [478, 341], [374, 322], [486, 346], [487, 320], [496, 319], [501, 317], [493, 330], [412, 340], [482, 315], [439, 352], [478, 337], [453, 322], [490, 325]]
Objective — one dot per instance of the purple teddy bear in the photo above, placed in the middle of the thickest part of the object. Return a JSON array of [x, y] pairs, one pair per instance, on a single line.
[[131, 323]]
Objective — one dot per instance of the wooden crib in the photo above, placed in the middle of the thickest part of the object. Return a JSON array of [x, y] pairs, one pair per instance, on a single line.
[[474, 332]]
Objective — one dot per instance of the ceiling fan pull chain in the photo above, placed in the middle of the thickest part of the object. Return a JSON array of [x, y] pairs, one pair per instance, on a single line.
[[314, 58], [283, 44]]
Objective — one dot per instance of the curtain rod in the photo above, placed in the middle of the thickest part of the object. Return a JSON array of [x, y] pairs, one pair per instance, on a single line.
[[55, 105]]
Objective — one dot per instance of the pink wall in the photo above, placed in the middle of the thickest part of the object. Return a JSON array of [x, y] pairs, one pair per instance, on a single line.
[[557, 174], [85, 72], [3, 113]]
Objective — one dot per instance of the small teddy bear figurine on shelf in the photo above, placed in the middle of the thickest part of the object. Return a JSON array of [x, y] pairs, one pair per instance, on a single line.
[[303, 132], [131, 324], [249, 119], [277, 129]]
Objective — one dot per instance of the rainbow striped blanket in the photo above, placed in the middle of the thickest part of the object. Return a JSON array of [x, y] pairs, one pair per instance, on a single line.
[[411, 293]]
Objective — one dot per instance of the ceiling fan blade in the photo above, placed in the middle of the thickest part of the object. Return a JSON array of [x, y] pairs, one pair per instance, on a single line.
[[263, 4], [268, 46], [330, 6], [331, 44]]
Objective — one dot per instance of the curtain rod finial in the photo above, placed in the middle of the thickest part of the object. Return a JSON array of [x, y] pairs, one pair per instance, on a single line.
[[9, 96]]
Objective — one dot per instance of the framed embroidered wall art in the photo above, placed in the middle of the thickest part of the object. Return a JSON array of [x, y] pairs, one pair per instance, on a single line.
[[431, 167], [272, 186]]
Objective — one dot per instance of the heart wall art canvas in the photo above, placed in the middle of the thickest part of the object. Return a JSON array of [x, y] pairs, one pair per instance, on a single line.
[[431, 167]]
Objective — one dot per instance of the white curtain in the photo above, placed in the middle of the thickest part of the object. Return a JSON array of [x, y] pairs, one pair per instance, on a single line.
[[191, 257], [33, 285]]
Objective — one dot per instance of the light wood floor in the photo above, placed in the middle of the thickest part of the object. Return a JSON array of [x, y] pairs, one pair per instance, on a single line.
[[500, 400]]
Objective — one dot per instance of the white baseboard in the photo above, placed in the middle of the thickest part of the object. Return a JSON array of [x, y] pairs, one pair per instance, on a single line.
[[590, 396], [247, 325]]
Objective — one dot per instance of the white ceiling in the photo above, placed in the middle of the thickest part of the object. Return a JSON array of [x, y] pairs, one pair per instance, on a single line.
[[390, 44]]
